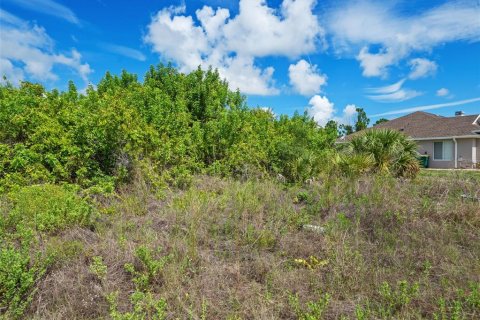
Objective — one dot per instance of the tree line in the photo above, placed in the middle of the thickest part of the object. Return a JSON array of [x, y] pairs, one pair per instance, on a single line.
[[171, 125]]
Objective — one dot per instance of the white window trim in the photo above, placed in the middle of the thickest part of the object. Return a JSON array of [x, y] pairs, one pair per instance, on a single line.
[[443, 160]]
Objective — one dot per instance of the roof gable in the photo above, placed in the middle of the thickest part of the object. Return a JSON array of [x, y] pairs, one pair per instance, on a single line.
[[427, 125], [421, 124]]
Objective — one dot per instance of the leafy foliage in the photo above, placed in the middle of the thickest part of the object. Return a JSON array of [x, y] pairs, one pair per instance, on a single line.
[[26, 215], [150, 270], [182, 123], [381, 120], [314, 309], [47, 208], [362, 120], [361, 123], [64, 153], [389, 151], [144, 307], [17, 278]]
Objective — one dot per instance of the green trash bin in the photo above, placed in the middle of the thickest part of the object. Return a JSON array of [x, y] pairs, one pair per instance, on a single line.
[[424, 158]]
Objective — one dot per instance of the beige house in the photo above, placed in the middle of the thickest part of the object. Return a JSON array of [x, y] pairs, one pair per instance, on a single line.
[[451, 142]]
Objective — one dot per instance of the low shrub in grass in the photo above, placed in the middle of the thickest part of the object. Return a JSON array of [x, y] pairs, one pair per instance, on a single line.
[[47, 208], [24, 214], [18, 277]]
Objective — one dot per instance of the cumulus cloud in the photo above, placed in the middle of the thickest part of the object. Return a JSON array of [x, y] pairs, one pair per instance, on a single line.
[[232, 44], [350, 110], [348, 114], [259, 31], [443, 92], [421, 68], [28, 51], [375, 64], [359, 25], [392, 93], [322, 110], [49, 7], [305, 78], [243, 74]]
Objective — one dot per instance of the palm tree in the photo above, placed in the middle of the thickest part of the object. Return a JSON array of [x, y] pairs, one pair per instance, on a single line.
[[391, 151]]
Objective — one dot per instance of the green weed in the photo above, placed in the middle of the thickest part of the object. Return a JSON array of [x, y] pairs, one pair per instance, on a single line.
[[313, 310]]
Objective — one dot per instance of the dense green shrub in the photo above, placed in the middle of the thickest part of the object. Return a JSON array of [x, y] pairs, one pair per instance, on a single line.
[[385, 151], [28, 214], [18, 276], [47, 208], [181, 123]]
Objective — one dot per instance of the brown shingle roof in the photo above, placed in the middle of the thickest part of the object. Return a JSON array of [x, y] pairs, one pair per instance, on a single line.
[[427, 125]]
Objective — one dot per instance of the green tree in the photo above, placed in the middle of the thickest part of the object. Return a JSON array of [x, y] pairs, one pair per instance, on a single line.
[[362, 120], [180, 124], [332, 128], [345, 129], [381, 120]]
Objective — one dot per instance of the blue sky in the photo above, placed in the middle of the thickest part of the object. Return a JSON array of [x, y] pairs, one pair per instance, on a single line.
[[326, 57]]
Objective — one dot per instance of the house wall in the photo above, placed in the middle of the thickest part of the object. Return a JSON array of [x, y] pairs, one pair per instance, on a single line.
[[427, 146], [465, 156], [464, 153], [477, 143]]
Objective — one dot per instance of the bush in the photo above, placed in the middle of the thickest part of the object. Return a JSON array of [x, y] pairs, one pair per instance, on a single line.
[[386, 151], [180, 123], [18, 276], [47, 208]]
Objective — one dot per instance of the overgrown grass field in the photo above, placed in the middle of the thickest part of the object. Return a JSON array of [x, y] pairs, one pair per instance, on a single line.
[[230, 249], [172, 199]]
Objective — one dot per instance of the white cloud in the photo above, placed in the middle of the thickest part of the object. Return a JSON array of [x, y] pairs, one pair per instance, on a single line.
[[321, 109], [427, 107], [305, 78], [259, 30], [442, 92], [348, 115], [359, 25], [124, 51], [13, 74], [242, 73], [387, 89], [49, 7], [375, 64], [28, 51], [350, 109], [212, 21], [397, 96], [177, 37], [232, 44], [422, 68], [392, 93]]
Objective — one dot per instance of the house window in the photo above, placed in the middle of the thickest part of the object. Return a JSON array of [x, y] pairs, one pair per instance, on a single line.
[[442, 150]]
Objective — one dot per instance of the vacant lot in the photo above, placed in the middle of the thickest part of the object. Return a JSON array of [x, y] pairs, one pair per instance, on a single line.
[[226, 249]]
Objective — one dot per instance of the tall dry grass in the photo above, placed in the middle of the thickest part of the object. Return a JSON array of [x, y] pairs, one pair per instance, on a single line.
[[237, 250]]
